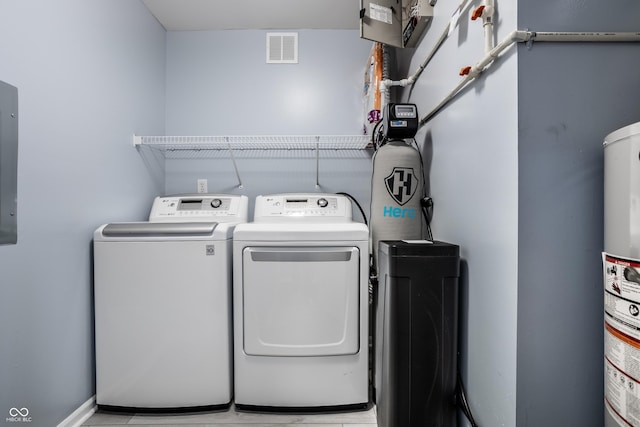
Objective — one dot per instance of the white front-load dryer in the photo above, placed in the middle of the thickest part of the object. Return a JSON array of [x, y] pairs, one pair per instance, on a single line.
[[162, 293], [301, 305]]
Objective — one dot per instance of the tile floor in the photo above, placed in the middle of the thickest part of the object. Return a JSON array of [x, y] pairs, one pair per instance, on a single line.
[[233, 418]]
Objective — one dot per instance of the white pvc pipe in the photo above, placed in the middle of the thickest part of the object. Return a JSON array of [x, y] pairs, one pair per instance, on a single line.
[[564, 36], [490, 56], [384, 84], [525, 36], [446, 100], [487, 24], [512, 38]]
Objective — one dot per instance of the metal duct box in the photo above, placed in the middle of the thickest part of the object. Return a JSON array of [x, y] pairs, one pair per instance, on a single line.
[[394, 23]]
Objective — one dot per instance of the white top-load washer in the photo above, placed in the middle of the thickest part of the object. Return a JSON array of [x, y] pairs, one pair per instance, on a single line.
[[163, 305], [301, 305]]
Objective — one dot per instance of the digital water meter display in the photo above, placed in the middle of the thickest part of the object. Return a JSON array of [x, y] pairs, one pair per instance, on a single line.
[[406, 111], [400, 121]]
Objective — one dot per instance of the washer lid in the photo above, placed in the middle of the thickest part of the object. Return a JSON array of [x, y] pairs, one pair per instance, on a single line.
[[159, 229]]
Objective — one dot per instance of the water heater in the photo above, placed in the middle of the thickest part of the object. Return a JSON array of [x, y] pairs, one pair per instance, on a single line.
[[621, 273]]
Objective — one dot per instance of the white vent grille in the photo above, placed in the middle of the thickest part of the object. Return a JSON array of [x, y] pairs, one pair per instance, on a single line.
[[282, 48]]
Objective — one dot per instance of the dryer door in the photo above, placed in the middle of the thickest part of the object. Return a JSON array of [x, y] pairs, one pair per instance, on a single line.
[[301, 301]]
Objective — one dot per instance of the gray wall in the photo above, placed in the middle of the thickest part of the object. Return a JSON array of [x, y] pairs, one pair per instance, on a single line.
[[516, 175], [90, 75], [570, 96], [219, 84], [472, 158]]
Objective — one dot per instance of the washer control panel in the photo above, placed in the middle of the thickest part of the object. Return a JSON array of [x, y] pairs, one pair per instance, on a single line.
[[303, 206], [201, 207]]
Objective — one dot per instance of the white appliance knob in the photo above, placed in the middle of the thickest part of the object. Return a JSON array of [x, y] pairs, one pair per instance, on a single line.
[[323, 202], [216, 203]]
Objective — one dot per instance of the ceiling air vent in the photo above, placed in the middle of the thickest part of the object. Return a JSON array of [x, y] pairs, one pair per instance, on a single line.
[[282, 48]]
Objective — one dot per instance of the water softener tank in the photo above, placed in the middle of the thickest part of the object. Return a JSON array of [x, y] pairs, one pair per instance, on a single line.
[[396, 191]]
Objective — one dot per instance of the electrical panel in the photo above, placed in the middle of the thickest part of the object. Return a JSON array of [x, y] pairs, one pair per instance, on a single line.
[[399, 23], [8, 163]]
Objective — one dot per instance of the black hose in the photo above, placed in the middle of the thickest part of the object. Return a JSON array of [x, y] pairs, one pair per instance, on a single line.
[[463, 403], [353, 199]]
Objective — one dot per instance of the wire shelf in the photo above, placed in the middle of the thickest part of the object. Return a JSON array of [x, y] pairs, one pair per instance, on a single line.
[[270, 146], [240, 143]]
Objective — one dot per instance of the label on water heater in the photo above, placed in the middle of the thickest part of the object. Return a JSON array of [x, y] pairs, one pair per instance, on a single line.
[[622, 337]]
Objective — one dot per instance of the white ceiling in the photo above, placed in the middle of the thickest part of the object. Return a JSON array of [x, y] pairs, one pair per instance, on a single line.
[[194, 15]]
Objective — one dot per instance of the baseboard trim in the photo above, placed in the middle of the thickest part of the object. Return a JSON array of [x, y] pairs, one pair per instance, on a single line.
[[80, 415]]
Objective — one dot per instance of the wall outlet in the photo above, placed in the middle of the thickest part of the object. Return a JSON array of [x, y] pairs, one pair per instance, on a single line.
[[202, 186]]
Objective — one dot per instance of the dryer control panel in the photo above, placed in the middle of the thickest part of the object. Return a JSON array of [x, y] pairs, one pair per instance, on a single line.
[[305, 207], [201, 207]]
